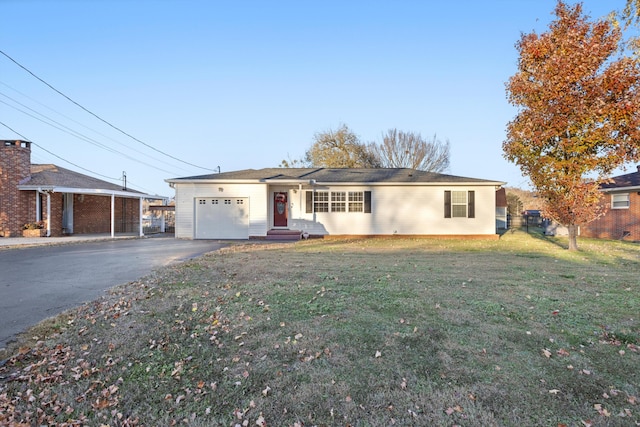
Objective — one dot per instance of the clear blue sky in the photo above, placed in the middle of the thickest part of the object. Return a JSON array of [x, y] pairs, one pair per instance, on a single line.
[[245, 84]]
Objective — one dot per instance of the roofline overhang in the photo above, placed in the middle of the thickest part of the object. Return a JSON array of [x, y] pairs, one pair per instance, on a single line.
[[93, 191], [621, 189], [328, 183]]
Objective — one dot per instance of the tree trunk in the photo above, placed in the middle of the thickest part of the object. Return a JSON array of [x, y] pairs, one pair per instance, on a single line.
[[573, 237]]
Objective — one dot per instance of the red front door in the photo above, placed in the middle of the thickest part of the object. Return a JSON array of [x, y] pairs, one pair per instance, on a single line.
[[279, 209]]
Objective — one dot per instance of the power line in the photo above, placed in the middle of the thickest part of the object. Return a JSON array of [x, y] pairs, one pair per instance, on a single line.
[[80, 124], [98, 117], [55, 155], [71, 163], [76, 134]]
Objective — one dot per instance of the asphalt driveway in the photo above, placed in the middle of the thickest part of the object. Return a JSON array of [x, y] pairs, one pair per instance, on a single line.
[[42, 281]]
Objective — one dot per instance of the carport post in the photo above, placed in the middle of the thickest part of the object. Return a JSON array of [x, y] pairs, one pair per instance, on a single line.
[[113, 215]]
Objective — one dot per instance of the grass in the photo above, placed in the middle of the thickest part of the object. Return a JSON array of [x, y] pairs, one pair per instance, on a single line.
[[368, 332]]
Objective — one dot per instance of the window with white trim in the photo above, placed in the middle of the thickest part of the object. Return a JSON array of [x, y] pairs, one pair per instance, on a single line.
[[356, 201], [459, 204], [321, 201], [338, 201], [620, 201]]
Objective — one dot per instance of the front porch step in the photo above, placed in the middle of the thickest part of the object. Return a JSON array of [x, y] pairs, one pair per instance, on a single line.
[[280, 234]]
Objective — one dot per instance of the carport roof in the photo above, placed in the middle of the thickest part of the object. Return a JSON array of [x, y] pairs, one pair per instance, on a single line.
[[336, 175], [55, 178]]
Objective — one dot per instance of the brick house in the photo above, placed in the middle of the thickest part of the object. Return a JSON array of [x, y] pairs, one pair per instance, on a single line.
[[621, 203], [66, 202]]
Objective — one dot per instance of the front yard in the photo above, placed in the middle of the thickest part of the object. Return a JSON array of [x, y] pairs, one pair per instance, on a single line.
[[371, 332]]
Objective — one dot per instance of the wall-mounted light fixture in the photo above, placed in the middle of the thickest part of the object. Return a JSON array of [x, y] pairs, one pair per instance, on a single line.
[[220, 189]]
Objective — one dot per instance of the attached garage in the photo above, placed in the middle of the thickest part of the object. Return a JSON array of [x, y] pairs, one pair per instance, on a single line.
[[222, 217]]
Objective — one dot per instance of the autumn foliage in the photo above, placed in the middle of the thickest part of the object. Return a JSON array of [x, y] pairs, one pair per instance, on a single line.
[[579, 113]]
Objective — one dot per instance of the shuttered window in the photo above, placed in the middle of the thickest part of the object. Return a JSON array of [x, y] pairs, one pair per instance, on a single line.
[[339, 201], [459, 204]]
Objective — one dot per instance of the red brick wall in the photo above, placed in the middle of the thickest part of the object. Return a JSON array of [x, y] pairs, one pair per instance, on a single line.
[[56, 213], [615, 222], [92, 214], [16, 207]]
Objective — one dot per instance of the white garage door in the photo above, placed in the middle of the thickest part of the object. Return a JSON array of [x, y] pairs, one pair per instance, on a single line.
[[222, 218]]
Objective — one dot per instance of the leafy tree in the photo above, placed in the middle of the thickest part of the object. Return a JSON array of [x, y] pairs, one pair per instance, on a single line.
[[514, 204], [292, 163], [409, 150], [339, 149], [578, 114]]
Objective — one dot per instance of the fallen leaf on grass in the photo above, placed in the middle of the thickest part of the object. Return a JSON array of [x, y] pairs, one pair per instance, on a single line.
[[546, 352], [554, 391], [378, 354], [602, 411]]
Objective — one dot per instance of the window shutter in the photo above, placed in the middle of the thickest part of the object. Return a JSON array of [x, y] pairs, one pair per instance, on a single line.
[[309, 196], [471, 205], [367, 202], [447, 204]]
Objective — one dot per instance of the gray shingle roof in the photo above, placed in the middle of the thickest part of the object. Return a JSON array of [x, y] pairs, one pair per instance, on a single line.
[[336, 175], [627, 180], [55, 176]]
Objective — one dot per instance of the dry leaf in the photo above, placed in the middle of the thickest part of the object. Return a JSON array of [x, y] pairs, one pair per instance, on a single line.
[[266, 391]]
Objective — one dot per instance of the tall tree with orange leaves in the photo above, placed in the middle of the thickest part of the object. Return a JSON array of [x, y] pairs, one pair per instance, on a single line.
[[578, 115]]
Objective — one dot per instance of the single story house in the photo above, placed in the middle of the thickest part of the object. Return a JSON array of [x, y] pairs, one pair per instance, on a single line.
[[60, 200], [621, 219], [275, 202]]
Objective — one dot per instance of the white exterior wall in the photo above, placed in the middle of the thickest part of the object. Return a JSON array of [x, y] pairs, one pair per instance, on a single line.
[[395, 209], [187, 193], [399, 210]]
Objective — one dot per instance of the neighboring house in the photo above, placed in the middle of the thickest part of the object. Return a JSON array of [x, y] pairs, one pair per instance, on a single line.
[[502, 222], [276, 202], [621, 204], [65, 201]]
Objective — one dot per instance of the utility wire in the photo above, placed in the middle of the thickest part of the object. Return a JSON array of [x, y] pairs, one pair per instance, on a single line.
[[78, 135], [80, 124], [98, 117], [55, 155]]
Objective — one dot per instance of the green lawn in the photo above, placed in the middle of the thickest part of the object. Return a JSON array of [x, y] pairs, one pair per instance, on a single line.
[[374, 332]]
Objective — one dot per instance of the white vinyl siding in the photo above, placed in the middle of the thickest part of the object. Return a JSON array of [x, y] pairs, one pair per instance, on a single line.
[[375, 209], [396, 209]]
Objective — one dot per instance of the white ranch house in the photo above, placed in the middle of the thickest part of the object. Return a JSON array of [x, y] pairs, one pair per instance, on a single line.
[[279, 202]]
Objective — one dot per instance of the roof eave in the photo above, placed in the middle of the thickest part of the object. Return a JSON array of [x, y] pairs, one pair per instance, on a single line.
[[621, 189], [94, 191]]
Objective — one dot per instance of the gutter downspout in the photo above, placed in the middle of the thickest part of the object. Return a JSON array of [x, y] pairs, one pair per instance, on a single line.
[[48, 194]]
